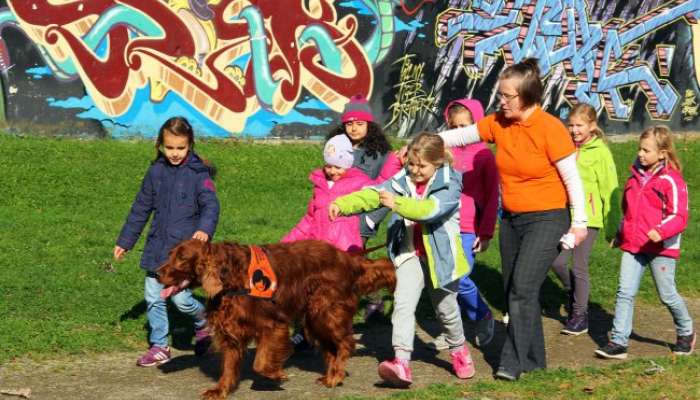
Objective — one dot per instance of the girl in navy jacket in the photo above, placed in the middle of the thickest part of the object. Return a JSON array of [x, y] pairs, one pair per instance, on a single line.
[[179, 192]]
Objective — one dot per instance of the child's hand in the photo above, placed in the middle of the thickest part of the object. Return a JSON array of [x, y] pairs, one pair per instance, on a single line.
[[579, 235], [201, 235], [402, 154], [480, 244], [119, 252], [387, 199], [654, 235], [333, 211]]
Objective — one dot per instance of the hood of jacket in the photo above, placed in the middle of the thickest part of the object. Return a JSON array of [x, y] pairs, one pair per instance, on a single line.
[[474, 107]]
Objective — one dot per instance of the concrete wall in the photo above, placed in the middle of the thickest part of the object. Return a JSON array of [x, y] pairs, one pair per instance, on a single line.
[[285, 68]]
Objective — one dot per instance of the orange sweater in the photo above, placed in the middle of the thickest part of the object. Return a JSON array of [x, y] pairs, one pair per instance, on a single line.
[[526, 153]]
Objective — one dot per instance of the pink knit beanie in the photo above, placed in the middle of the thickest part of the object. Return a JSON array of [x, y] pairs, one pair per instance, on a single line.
[[357, 109]]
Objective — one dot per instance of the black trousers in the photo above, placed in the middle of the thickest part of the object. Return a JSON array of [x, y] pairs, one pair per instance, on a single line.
[[529, 244]]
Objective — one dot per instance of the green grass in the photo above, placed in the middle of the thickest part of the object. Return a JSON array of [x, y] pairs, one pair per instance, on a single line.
[[659, 378], [63, 202]]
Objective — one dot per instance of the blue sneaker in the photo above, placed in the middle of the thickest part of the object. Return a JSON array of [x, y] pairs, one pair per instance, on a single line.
[[485, 328]]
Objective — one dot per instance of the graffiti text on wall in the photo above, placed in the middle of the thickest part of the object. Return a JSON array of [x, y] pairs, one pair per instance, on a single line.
[[412, 100], [227, 58], [598, 58]]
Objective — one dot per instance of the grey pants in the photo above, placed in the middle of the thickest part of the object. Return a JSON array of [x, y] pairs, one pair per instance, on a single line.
[[576, 280], [411, 277], [529, 243]]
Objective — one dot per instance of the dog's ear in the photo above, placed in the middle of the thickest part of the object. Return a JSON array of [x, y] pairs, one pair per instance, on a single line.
[[208, 270]]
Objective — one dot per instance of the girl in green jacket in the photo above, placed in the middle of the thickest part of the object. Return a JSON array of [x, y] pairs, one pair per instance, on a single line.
[[597, 170], [423, 241]]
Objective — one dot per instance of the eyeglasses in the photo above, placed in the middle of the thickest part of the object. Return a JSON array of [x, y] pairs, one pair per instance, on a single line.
[[507, 97]]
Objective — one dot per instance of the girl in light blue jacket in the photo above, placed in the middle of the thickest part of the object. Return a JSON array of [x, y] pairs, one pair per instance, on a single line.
[[424, 243]]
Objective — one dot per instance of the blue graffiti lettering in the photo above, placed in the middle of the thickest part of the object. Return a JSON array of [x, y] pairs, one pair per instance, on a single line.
[[599, 58]]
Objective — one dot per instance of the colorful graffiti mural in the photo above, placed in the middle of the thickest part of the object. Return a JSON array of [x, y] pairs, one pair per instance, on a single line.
[[271, 68]]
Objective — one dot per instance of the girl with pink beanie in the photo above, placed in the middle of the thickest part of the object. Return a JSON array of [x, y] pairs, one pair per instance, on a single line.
[[372, 155]]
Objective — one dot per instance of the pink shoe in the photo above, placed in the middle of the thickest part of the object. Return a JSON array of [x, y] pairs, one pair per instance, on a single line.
[[462, 363], [156, 355], [396, 372]]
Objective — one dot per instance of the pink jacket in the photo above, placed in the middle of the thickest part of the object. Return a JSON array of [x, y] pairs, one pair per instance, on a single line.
[[658, 200], [479, 199], [344, 232]]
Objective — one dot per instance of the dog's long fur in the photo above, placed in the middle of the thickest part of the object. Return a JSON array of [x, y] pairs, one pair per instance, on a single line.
[[318, 285]]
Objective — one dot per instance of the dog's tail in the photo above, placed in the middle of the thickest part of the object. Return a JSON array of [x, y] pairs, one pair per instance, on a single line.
[[376, 274]]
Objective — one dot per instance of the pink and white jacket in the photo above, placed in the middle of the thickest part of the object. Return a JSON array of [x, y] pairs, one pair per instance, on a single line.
[[344, 231], [654, 200], [479, 198]]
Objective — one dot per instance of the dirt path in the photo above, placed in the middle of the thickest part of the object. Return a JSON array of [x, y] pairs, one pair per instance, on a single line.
[[114, 376]]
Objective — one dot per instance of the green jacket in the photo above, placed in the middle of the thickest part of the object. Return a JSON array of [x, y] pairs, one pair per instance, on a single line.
[[437, 213], [599, 175]]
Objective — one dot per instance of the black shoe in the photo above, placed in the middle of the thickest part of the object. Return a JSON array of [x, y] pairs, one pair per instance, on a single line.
[[684, 345], [612, 350], [300, 343], [503, 374]]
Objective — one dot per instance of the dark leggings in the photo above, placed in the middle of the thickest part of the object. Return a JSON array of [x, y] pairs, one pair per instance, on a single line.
[[576, 279]]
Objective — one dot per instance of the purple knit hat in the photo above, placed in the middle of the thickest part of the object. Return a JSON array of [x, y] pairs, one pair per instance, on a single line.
[[338, 152], [357, 109]]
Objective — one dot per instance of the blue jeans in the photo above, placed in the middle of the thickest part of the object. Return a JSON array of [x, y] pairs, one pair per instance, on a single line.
[[470, 301], [157, 311], [663, 270]]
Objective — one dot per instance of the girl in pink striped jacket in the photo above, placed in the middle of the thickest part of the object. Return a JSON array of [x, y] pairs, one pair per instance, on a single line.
[[477, 214], [655, 206]]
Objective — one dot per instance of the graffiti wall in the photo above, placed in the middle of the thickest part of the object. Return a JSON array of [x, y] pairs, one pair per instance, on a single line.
[[285, 68]]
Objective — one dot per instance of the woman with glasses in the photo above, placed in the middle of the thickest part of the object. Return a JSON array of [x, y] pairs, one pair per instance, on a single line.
[[536, 161]]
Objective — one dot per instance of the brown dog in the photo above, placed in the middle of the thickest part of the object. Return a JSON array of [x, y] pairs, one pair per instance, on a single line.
[[317, 285]]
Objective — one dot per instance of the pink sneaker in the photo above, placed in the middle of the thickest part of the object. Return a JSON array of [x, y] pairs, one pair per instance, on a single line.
[[462, 363], [156, 355], [202, 341], [396, 372]]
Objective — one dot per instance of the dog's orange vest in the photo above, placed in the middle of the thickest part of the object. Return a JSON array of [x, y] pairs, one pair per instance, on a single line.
[[261, 278]]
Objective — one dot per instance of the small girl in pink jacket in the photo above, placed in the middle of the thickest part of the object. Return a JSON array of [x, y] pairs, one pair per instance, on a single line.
[[477, 214], [337, 178], [655, 207]]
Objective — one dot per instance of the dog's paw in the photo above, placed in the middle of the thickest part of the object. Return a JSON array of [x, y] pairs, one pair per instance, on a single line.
[[277, 376], [330, 381], [214, 394]]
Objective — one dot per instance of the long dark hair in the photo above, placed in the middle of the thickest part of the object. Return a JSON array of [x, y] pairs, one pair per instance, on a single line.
[[374, 143], [178, 126]]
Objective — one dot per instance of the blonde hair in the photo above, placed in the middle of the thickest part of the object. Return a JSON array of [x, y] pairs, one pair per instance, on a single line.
[[431, 148], [664, 142], [587, 113]]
